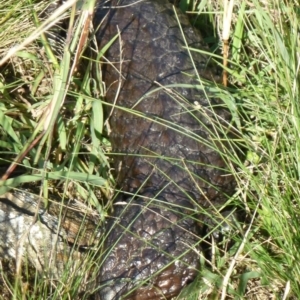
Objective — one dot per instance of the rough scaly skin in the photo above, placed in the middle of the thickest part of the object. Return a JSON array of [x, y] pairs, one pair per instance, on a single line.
[[44, 236], [165, 156]]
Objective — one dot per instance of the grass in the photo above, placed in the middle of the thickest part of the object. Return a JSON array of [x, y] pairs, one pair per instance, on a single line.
[[263, 97]]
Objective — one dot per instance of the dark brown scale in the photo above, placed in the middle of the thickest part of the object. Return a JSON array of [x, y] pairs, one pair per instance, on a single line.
[[165, 150]]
